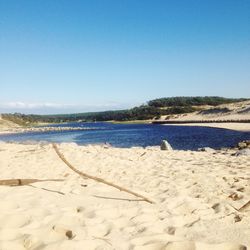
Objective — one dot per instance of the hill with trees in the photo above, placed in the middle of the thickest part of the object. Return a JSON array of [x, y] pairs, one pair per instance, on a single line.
[[153, 109], [192, 101]]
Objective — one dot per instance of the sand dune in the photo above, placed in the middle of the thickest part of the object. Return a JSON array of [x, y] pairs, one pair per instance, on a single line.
[[226, 112], [197, 199], [7, 126], [245, 127], [232, 111]]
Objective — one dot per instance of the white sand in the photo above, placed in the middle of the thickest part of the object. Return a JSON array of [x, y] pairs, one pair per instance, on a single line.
[[7, 127], [235, 111], [191, 191], [244, 127]]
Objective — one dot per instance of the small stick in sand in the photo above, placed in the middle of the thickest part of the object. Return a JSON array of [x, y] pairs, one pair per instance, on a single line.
[[49, 190], [97, 178], [115, 198], [246, 205], [21, 182]]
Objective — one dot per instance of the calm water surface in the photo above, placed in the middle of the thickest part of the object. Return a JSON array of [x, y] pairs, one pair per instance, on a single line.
[[129, 135]]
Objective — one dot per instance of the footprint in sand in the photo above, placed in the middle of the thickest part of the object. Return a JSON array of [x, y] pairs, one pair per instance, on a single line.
[[170, 230], [7, 234], [71, 220], [187, 245], [99, 230], [107, 247], [216, 207], [240, 189], [8, 205], [14, 220], [169, 242], [190, 245], [32, 242], [151, 246], [89, 214], [80, 211], [222, 246], [11, 245]]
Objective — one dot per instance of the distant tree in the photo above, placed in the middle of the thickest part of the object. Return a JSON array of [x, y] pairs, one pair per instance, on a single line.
[[154, 108]]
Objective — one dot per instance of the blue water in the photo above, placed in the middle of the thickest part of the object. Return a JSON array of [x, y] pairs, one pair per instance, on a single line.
[[129, 135]]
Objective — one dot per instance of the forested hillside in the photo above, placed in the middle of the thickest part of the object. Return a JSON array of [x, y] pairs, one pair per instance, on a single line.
[[192, 101], [153, 109]]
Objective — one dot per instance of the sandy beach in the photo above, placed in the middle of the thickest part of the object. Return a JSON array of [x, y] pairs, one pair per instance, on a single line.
[[7, 127], [89, 90], [226, 112], [200, 199], [244, 127]]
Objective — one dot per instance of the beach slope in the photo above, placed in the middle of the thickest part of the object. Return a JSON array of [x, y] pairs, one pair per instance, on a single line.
[[201, 199], [235, 116]]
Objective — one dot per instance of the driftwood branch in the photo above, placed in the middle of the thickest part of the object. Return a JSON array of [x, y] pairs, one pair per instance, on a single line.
[[115, 198], [21, 182], [246, 205], [97, 178], [49, 190]]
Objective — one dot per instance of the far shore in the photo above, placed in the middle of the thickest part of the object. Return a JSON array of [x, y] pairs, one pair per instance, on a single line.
[[237, 126], [131, 122], [244, 127]]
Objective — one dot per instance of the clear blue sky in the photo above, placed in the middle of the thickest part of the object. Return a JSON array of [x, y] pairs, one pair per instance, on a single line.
[[80, 55]]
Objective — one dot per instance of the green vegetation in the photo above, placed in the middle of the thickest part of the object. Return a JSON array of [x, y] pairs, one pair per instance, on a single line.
[[215, 111], [192, 101], [138, 113], [154, 109], [20, 119]]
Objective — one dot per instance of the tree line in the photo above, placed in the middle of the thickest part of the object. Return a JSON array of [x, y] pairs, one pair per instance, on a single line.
[[153, 109], [192, 101]]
